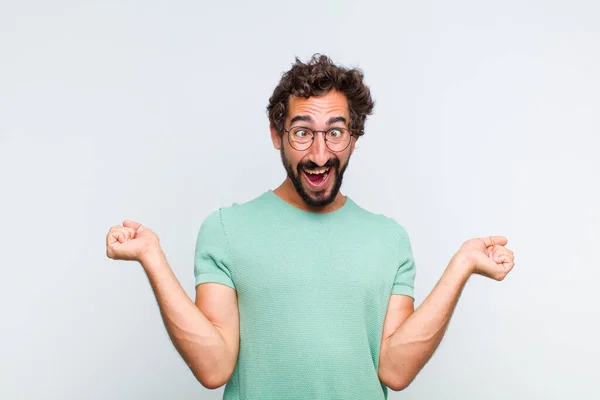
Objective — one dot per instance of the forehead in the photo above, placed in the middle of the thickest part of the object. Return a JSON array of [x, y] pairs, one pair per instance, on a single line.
[[319, 107]]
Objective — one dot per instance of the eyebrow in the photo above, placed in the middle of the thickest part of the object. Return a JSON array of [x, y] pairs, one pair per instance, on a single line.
[[308, 118]]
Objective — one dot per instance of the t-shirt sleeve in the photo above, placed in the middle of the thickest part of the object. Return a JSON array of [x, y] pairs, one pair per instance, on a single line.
[[211, 262], [405, 277]]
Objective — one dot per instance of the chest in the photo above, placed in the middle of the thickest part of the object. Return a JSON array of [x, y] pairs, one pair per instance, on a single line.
[[316, 268]]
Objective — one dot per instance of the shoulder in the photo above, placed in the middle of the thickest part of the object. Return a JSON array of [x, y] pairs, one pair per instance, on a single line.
[[250, 207], [380, 220], [382, 223], [238, 213]]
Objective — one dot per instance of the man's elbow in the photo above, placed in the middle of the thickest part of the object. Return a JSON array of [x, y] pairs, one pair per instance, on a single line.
[[213, 380], [398, 385], [395, 381], [212, 384]]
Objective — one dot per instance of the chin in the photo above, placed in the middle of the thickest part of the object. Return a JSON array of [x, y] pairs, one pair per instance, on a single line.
[[320, 201], [321, 198]]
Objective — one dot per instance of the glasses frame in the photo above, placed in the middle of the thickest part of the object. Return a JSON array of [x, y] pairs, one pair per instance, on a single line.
[[314, 132]]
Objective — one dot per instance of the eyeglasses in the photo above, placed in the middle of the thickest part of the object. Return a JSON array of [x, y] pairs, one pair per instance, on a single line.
[[336, 139]]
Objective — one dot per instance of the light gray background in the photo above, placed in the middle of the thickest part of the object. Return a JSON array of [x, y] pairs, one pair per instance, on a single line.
[[486, 123]]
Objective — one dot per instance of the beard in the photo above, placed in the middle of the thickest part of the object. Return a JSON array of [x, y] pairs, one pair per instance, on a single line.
[[321, 199]]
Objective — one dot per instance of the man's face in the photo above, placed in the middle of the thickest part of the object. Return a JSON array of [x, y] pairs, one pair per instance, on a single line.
[[316, 172]]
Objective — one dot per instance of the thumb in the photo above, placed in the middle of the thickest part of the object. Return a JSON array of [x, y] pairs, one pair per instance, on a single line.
[[492, 240], [132, 224], [136, 226]]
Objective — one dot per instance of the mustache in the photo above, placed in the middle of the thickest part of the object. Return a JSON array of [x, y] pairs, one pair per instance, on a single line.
[[331, 163]]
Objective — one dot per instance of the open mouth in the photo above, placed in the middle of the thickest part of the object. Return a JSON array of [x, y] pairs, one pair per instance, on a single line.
[[318, 177]]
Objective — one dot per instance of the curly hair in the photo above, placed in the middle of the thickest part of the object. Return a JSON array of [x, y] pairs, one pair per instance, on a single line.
[[317, 77]]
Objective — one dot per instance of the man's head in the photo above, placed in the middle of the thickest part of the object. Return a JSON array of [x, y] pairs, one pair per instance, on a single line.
[[326, 98]]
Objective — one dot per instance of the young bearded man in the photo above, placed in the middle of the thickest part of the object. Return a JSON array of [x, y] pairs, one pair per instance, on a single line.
[[300, 292]]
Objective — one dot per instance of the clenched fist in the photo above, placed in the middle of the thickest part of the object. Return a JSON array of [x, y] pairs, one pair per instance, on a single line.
[[488, 256], [130, 241]]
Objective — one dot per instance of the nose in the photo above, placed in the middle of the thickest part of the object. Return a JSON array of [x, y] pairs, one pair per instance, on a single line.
[[319, 153]]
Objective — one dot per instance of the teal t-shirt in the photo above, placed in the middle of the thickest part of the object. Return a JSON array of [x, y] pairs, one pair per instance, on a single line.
[[312, 291]]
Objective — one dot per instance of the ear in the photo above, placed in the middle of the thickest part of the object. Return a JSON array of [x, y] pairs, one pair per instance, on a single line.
[[275, 137]]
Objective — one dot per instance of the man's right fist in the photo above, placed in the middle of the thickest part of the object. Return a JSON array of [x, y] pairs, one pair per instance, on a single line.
[[130, 241]]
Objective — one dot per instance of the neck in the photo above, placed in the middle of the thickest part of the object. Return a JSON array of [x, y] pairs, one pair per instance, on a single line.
[[287, 192]]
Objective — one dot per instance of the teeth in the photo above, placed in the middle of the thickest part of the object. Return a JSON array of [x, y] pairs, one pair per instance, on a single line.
[[316, 171]]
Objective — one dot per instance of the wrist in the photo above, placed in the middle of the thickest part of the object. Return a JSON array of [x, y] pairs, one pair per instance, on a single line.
[[462, 264], [151, 257]]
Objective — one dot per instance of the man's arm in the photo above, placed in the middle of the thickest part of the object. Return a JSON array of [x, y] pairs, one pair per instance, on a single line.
[[205, 334], [406, 350], [410, 338]]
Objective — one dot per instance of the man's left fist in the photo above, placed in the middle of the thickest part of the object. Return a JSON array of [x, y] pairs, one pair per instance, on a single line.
[[488, 256]]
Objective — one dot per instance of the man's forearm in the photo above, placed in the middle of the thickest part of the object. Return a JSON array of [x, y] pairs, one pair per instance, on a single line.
[[197, 340], [408, 349]]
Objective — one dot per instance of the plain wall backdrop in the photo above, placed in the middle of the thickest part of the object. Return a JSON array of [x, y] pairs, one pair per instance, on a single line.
[[486, 123]]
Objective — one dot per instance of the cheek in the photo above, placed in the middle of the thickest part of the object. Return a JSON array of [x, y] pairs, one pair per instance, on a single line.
[[292, 156], [344, 160]]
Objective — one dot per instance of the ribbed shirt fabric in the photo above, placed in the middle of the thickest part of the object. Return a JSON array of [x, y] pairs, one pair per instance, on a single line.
[[312, 291]]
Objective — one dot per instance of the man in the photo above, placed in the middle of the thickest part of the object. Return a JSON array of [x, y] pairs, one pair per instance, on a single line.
[[301, 293]]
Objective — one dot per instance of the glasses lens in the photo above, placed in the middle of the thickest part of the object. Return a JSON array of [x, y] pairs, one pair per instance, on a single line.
[[300, 138], [338, 139]]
